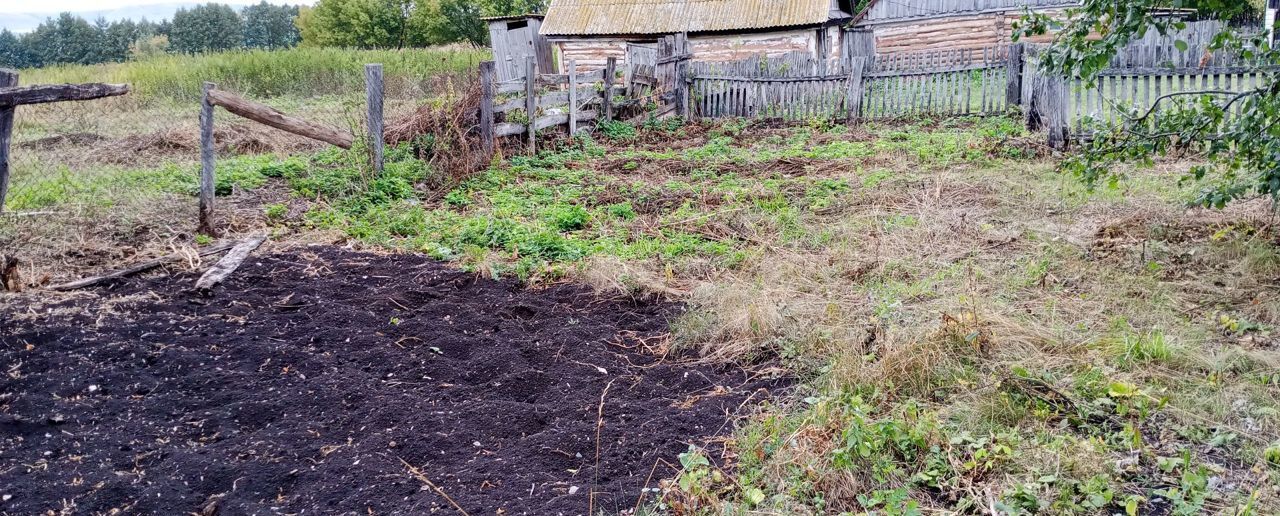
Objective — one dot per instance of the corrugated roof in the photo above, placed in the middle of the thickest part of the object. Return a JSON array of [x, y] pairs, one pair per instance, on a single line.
[[601, 17]]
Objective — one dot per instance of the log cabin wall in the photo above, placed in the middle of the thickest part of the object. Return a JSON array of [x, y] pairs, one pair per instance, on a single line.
[[592, 53], [972, 31]]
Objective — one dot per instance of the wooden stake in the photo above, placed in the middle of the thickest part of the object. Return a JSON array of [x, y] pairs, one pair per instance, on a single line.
[[207, 186], [8, 79], [373, 90]]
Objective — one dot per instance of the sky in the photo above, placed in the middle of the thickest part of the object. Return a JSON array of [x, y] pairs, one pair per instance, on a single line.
[[57, 6]]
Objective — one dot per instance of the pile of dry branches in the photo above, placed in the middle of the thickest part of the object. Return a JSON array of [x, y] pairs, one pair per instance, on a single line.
[[446, 135]]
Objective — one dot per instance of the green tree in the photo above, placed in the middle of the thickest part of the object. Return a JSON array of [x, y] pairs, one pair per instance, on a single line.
[[358, 23], [270, 26], [13, 52], [116, 39], [459, 20], [204, 28], [1242, 152], [65, 39]]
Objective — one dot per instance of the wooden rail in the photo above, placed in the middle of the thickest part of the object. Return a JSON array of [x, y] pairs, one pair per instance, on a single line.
[[273, 117], [12, 96]]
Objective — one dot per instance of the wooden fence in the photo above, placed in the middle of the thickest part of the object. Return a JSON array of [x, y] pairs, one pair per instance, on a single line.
[[541, 101], [955, 82]]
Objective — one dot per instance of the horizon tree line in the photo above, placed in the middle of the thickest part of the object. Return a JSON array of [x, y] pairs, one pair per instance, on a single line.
[[214, 27]]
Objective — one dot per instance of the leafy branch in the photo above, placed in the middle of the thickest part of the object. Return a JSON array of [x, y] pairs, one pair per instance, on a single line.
[[1236, 134]]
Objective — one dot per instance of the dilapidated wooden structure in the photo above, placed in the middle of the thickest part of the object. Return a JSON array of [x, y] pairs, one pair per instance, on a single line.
[[514, 40], [920, 25], [590, 32]]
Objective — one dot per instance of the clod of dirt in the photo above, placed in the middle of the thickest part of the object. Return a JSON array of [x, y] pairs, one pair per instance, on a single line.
[[310, 376]]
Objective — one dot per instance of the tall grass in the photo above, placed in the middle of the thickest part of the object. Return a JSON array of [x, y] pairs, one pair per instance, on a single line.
[[260, 73]]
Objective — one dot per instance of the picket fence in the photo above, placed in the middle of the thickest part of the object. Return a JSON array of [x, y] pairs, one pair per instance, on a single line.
[[952, 82]]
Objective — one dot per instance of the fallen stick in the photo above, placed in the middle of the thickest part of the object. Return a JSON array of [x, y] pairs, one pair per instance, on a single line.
[[229, 263], [418, 474], [141, 267]]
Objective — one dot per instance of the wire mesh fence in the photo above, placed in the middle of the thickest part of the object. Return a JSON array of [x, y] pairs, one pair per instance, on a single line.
[[105, 181]]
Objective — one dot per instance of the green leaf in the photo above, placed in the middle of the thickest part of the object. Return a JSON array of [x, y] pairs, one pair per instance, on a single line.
[[1181, 45]]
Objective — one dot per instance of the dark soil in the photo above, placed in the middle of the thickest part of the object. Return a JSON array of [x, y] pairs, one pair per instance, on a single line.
[[302, 384]]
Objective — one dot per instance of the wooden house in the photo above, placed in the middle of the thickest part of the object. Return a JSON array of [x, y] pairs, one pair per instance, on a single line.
[[591, 31]]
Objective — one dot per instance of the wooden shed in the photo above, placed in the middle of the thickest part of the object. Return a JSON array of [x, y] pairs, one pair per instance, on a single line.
[[591, 31], [514, 39]]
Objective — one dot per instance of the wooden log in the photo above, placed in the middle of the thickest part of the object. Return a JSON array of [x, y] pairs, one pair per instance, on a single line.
[[229, 263], [488, 73], [207, 186], [8, 79], [531, 101], [270, 116], [44, 93], [141, 267], [373, 97]]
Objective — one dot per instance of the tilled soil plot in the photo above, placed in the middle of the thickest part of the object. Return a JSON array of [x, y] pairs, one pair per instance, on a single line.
[[313, 381]]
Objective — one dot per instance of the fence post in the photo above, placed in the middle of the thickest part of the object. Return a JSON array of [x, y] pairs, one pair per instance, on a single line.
[[531, 101], [1013, 73], [1029, 92], [373, 94], [853, 97], [573, 97], [1054, 106], [488, 70], [8, 79], [682, 75], [610, 69], [207, 185]]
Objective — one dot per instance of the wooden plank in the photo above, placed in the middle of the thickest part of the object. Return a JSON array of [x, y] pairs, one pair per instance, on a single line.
[[229, 263], [373, 98], [45, 93], [531, 101], [207, 187], [543, 122], [272, 117], [8, 79], [488, 73]]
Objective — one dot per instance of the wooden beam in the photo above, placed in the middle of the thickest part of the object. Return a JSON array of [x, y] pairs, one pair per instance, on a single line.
[[8, 79], [45, 93], [270, 116]]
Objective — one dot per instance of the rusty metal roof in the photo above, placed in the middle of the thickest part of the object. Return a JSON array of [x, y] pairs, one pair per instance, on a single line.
[[603, 17]]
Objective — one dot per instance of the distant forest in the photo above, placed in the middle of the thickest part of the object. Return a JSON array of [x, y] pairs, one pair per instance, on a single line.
[[212, 27]]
